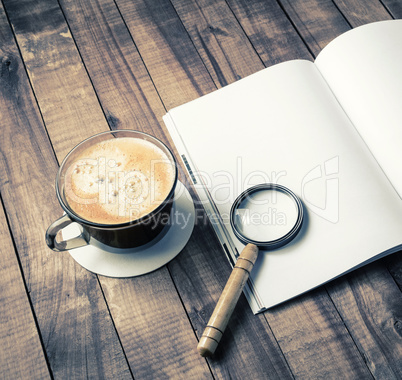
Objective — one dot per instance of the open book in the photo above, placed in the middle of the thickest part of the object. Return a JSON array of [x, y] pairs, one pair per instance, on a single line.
[[331, 131]]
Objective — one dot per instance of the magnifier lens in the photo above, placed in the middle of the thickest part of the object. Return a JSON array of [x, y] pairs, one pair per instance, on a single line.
[[267, 215]]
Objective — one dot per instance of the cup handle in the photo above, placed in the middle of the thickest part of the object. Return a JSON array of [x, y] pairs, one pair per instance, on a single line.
[[63, 245]]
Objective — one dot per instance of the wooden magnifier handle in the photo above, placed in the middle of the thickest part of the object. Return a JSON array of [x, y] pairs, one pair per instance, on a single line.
[[227, 301]]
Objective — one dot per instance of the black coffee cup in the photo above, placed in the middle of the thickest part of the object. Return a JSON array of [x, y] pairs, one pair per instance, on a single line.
[[133, 233]]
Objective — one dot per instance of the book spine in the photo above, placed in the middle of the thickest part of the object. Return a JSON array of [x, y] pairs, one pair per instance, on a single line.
[[212, 213]]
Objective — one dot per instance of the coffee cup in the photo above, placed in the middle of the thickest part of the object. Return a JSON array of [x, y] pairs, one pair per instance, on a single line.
[[118, 186]]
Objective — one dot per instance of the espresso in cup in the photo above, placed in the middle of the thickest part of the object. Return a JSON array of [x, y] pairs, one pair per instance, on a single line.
[[118, 180], [119, 187]]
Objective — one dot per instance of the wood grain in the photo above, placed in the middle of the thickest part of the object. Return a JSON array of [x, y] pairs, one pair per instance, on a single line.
[[155, 332], [144, 291], [122, 84], [394, 266], [310, 330], [270, 31], [175, 68], [75, 325], [54, 70], [318, 22], [370, 303], [360, 12], [219, 39], [21, 352], [394, 7]]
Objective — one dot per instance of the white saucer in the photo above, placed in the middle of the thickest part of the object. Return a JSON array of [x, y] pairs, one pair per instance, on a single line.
[[114, 262]]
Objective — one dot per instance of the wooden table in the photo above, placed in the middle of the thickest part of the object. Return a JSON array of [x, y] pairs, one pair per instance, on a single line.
[[71, 69]]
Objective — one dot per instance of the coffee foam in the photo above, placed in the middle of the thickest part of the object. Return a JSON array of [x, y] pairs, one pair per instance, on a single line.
[[118, 180]]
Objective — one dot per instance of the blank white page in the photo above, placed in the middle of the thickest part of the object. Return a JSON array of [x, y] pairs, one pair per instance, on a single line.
[[284, 125], [363, 67]]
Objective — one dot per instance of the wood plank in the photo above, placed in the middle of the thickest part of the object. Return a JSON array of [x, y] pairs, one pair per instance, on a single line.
[[318, 22], [21, 352], [394, 266], [200, 288], [360, 12], [370, 303], [111, 47], [217, 35], [269, 30], [155, 331], [55, 69], [311, 331], [121, 81], [394, 7], [74, 322], [171, 59]]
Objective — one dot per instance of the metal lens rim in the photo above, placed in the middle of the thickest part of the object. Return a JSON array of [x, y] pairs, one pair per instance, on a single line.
[[269, 244]]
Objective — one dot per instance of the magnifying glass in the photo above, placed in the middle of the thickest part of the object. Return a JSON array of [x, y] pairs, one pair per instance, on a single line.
[[267, 216]]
